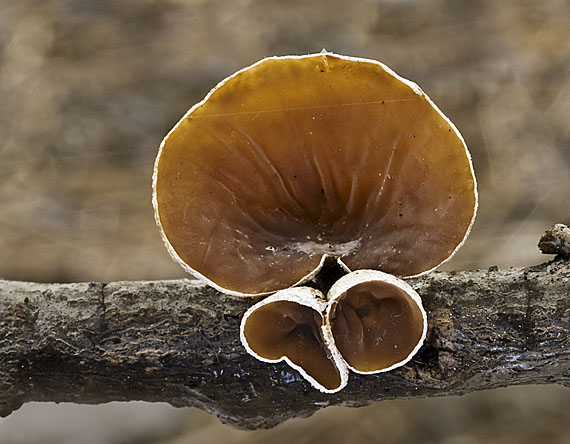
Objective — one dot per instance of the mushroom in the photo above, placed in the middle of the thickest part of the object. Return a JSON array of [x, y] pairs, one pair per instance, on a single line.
[[296, 159], [376, 321], [370, 322], [288, 326]]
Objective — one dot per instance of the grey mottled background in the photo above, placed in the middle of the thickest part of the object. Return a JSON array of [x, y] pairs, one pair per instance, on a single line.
[[89, 88]]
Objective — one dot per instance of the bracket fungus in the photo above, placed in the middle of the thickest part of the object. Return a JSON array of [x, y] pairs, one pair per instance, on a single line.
[[297, 159]]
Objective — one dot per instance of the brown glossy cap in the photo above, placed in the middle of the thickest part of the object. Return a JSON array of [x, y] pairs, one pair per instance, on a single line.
[[287, 326], [296, 158], [377, 321]]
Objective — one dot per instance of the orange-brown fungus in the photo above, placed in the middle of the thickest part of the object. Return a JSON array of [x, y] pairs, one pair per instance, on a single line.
[[294, 158], [290, 329], [375, 325]]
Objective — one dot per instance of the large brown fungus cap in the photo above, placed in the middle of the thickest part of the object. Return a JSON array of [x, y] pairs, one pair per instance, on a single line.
[[298, 158]]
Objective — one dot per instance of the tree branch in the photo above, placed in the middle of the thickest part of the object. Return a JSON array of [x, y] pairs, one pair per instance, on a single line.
[[178, 342]]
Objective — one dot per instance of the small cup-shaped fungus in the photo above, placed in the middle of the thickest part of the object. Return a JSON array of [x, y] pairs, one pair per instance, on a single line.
[[297, 158], [288, 326], [376, 320]]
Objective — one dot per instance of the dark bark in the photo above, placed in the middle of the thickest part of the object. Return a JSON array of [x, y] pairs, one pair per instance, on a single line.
[[178, 342]]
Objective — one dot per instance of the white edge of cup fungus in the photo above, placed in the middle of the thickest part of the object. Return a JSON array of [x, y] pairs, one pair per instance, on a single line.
[[413, 86], [308, 297], [350, 280]]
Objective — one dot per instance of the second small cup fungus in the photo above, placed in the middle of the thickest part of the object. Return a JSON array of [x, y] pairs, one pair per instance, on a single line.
[[377, 320], [296, 159]]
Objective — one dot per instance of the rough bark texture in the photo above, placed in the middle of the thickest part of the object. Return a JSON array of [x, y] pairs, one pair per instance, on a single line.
[[178, 341]]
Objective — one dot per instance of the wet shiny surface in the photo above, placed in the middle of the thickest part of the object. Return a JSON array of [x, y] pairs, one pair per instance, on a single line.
[[375, 325], [289, 329], [293, 157]]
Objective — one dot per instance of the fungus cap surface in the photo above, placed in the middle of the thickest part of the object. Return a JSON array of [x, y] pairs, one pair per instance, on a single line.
[[377, 321], [287, 326], [297, 158]]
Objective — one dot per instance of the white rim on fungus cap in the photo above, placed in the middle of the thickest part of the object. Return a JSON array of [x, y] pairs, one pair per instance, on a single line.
[[273, 132], [352, 281], [304, 297]]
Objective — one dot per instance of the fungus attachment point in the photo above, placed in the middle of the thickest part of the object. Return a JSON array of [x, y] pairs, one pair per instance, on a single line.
[[288, 327], [371, 322], [377, 321], [299, 158]]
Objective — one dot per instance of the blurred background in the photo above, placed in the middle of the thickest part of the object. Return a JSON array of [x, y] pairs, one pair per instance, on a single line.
[[89, 88]]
